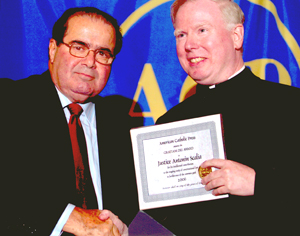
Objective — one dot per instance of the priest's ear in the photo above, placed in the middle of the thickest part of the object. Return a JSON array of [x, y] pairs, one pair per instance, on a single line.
[[238, 36]]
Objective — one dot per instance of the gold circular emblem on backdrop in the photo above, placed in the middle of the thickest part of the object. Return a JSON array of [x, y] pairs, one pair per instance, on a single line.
[[139, 13]]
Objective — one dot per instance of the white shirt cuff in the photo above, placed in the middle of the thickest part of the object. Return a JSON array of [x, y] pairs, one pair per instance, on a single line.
[[57, 231]]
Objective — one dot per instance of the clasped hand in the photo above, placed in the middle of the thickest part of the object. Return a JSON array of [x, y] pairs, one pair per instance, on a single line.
[[230, 178], [95, 222]]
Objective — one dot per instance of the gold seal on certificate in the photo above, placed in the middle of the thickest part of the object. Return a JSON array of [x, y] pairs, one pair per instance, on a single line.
[[204, 171]]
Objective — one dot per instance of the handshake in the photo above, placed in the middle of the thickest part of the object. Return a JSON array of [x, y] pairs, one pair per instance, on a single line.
[[95, 222]]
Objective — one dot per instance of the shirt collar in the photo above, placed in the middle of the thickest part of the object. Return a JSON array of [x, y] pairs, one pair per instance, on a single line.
[[88, 108], [236, 73]]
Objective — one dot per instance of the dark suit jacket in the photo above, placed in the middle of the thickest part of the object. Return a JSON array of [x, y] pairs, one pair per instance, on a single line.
[[261, 124], [38, 155]]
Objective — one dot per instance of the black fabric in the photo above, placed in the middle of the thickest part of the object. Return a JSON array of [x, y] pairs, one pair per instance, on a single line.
[[37, 155], [261, 130]]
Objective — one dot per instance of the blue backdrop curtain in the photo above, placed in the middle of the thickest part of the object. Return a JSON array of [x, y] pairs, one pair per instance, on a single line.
[[147, 69]]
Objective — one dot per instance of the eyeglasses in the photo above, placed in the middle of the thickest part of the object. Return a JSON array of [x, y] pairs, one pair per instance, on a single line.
[[102, 56]]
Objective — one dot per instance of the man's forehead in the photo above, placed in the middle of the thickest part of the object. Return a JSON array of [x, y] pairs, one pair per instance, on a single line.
[[89, 30], [74, 22]]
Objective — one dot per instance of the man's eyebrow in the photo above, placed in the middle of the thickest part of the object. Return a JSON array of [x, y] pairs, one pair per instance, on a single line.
[[80, 42], [196, 26], [177, 31], [88, 45], [105, 49]]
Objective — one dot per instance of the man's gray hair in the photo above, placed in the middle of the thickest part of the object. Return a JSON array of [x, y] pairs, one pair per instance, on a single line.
[[232, 13]]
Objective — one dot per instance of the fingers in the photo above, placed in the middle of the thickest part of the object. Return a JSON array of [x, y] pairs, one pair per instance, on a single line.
[[230, 177], [220, 191], [84, 222], [213, 175], [122, 228], [217, 163], [214, 180], [116, 231], [110, 229], [104, 215]]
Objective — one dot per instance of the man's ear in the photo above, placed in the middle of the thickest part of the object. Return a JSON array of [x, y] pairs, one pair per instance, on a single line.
[[238, 36], [52, 50]]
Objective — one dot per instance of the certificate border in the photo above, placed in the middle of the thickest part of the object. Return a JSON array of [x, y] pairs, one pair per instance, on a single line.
[[210, 125]]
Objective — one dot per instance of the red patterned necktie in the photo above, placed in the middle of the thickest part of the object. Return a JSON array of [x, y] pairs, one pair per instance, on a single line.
[[86, 196]]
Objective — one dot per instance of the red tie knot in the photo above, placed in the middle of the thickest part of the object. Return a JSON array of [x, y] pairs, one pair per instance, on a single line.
[[75, 109]]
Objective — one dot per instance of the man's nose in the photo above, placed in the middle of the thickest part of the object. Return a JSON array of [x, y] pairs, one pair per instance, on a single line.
[[192, 42], [90, 60]]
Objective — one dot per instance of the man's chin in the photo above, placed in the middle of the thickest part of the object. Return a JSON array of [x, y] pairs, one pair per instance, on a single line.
[[80, 97]]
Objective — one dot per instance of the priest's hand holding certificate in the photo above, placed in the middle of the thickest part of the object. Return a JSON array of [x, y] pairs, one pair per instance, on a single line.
[[231, 177]]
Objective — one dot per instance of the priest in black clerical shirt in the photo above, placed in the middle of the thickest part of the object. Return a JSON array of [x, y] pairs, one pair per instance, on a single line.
[[261, 124]]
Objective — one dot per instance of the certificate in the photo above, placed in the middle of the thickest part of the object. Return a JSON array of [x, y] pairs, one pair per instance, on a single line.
[[167, 158]]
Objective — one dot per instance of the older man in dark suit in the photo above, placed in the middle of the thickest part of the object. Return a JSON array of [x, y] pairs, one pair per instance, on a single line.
[[46, 187]]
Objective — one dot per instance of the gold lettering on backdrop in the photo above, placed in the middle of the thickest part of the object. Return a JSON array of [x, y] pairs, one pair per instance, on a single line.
[[139, 13], [258, 67], [149, 85], [188, 89], [283, 30]]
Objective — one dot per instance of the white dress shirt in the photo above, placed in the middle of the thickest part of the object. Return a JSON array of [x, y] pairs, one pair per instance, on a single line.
[[88, 121]]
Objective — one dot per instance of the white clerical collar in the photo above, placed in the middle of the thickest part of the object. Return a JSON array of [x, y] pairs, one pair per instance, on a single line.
[[236, 73], [88, 108]]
